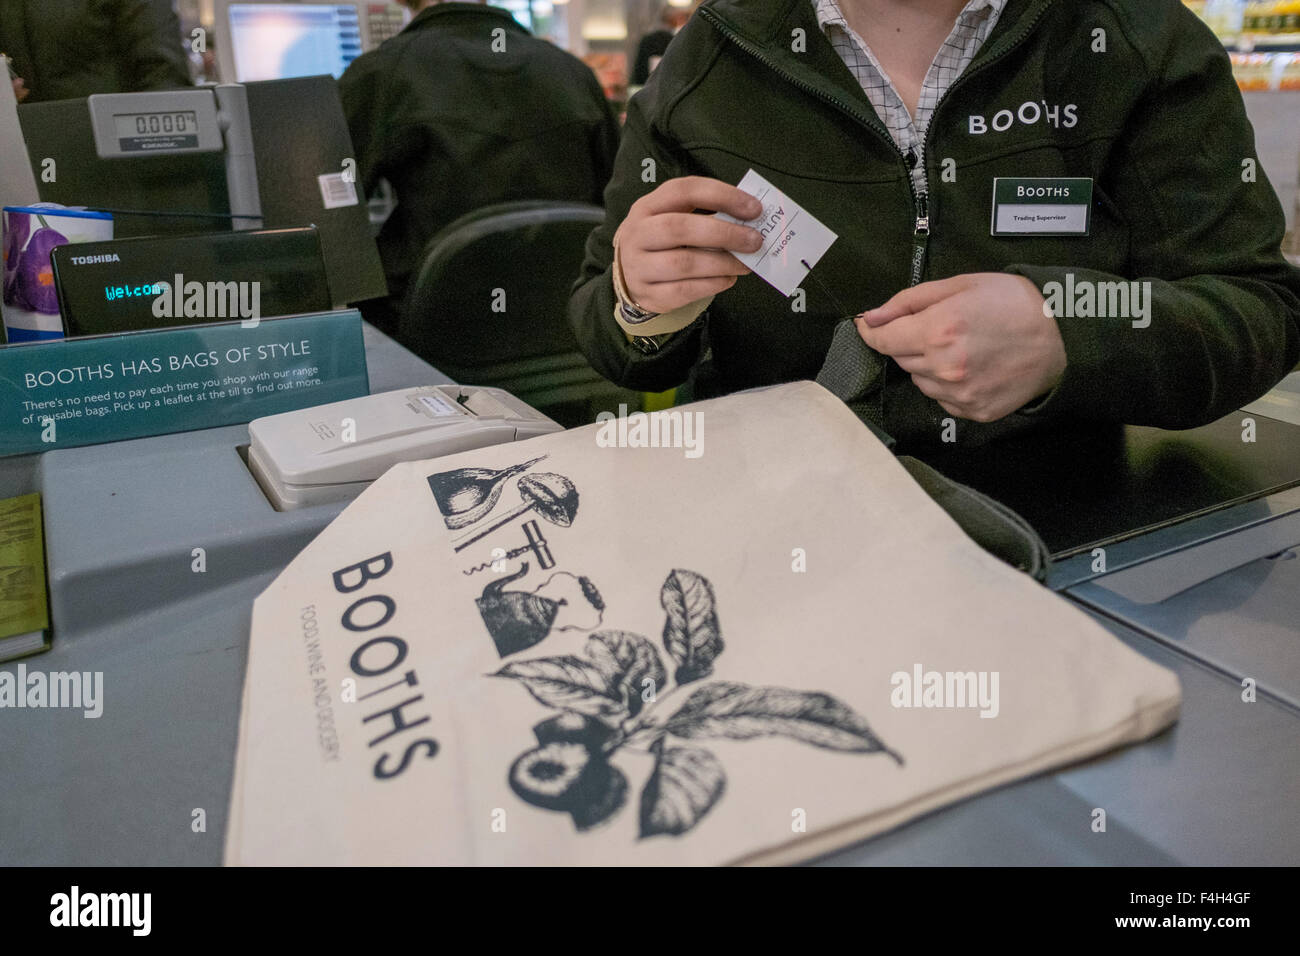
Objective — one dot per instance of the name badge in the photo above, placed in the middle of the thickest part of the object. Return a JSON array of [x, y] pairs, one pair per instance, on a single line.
[[1041, 207]]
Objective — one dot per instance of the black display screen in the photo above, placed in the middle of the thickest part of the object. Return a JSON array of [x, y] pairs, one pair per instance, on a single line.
[[126, 285]]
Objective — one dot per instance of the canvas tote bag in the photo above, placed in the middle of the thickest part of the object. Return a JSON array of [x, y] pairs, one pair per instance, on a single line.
[[754, 650]]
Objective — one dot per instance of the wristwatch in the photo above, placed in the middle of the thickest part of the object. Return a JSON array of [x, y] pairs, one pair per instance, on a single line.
[[633, 315], [630, 315], [650, 344]]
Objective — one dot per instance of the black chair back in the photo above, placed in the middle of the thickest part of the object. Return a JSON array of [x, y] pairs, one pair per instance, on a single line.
[[489, 300]]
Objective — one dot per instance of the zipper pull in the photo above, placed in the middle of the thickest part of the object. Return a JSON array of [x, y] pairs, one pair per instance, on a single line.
[[922, 215], [920, 237]]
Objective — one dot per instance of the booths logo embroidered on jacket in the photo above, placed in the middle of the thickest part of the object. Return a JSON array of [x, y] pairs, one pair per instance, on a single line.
[[1030, 113]]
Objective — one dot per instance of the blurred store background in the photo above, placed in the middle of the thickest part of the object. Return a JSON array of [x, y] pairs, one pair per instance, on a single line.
[[1263, 39], [623, 40]]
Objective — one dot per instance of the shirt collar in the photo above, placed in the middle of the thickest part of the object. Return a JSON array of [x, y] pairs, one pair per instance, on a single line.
[[829, 13]]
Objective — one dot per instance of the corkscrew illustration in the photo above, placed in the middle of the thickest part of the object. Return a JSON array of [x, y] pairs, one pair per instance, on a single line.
[[535, 543]]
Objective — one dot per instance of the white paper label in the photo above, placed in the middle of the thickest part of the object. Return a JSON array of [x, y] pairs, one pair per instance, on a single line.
[[1056, 218], [793, 239], [336, 190], [439, 406]]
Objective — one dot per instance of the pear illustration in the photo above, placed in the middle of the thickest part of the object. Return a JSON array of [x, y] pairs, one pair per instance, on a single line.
[[465, 495]]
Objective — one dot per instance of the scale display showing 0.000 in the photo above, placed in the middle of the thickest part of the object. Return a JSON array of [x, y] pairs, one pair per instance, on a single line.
[[132, 125]]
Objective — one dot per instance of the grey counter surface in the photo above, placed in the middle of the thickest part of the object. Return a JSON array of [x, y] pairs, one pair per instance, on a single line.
[[1216, 789], [123, 520]]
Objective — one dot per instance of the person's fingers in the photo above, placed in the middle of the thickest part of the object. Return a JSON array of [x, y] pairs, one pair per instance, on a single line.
[[666, 296], [896, 339], [918, 364], [674, 230], [678, 264], [687, 193], [914, 299], [950, 364], [941, 392], [932, 387]]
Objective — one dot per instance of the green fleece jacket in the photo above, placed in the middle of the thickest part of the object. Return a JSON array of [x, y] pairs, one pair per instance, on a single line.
[[1136, 95]]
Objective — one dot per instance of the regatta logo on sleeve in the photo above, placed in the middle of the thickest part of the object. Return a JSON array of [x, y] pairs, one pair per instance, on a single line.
[[1029, 113]]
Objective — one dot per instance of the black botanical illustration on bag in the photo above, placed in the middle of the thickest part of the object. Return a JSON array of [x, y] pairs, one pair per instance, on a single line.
[[535, 543], [609, 699], [691, 632], [552, 496], [467, 496], [519, 619], [464, 495]]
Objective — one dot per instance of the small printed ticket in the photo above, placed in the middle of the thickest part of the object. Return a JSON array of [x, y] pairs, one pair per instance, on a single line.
[[793, 239]]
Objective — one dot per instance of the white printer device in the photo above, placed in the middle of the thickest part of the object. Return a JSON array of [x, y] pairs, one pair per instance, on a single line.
[[332, 452]]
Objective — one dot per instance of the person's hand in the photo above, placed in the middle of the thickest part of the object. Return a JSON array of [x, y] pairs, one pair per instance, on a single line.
[[981, 345], [669, 255], [21, 92]]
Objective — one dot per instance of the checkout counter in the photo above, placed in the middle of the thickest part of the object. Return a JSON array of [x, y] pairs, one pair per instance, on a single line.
[[1213, 594], [1199, 532]]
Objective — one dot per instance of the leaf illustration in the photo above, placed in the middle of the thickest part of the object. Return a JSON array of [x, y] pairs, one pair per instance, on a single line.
[[626, 660], [569, 683], [685, 784], [741, 712], [691, 633]]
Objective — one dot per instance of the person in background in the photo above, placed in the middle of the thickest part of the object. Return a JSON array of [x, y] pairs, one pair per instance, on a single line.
[[174, 43], [654, 44], [65, 49], [462, 109]]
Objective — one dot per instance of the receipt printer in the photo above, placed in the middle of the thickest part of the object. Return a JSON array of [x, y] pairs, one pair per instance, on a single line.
[[332, 452]]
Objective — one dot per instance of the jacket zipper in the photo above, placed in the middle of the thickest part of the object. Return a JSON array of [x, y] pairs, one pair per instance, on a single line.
[[920, 201], [871, 124], [920, 235]]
